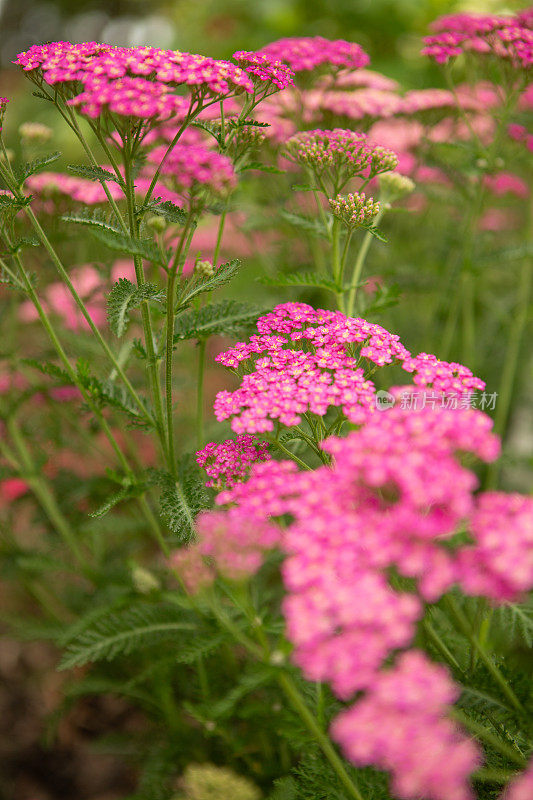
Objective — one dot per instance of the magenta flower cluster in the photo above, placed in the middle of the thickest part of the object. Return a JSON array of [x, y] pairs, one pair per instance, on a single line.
[[229, 462], [302, 360], [138, 81], [402, 726], [192, 166], [231, 544], [264, 69], [395, 497], [306, 53], [510, 38]]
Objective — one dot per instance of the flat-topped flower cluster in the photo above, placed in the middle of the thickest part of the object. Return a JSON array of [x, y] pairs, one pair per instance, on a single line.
[[304, 360], [506, 37], [141, 82]]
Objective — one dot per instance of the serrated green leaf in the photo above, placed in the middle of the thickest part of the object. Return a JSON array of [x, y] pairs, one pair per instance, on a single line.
[[92, 173], [125, 296], [228, 317], [118, 241], [197, 284], [34, 166], [170, 211], [93, 219], [52, 370], [181, 500], [111, 502], [123, 633]]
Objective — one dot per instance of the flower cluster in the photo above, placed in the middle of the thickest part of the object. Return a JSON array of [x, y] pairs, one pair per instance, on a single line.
[[366, 102], [442, 376], [510, 38], [192, 166], [138, 82], [333, 149], [355, 209], [306, 53], [229, 463], [261, 67], [231, 543], [343, 153], [394, 185], [287, 383], [401, 725]]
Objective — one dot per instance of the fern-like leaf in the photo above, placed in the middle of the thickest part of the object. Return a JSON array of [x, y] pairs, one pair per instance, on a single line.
[[124, 296], [92, 173], [118, 241], [228, 317], [181, 500], [31, 167], [307, 224], [301, 279], [197, 284], [124, 633]]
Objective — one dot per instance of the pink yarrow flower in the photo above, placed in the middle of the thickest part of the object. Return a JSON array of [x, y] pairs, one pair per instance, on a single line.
[[307, 53]]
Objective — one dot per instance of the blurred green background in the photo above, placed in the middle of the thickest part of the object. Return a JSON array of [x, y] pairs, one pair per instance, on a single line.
[[388, 29]]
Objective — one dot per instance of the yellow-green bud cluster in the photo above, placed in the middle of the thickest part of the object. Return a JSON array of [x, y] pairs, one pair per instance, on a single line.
[[394, 185], [35, 132], [208, 782], [383, 160], [204, 268], [355, 209]]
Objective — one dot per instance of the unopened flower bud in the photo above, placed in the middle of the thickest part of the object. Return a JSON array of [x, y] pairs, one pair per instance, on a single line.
[[355, 209], [157, 223], [394, 185], [205, 268], [143, 580], [207, 782], [35, 132]]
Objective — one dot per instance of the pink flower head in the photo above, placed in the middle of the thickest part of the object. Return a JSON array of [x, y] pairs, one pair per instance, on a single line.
[[231, 543], [401, 725], [355, 209], [504, 37], [366, 103], [340, 154], [274, 75], [285, 383], [229, 463], [13, 488], [193, 166], [138, 82], [307, 53]]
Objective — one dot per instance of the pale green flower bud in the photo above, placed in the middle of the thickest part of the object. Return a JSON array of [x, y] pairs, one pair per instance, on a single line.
[[157, 223], [394, 185], [207, 782], [204, 268], [35, 132]]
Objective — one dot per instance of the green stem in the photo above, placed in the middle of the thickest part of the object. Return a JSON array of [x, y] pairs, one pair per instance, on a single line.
[[177, 264], [286, 451], [465, 628], [74, 378], [42, 491], [359, 263], [81, 305], [511, 362], [299, 705], [441, 646], [200, 394], [220, 234], [146, 314]]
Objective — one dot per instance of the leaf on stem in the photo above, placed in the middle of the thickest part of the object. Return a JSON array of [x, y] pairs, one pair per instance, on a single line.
[[228, 317], [125, 296]]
